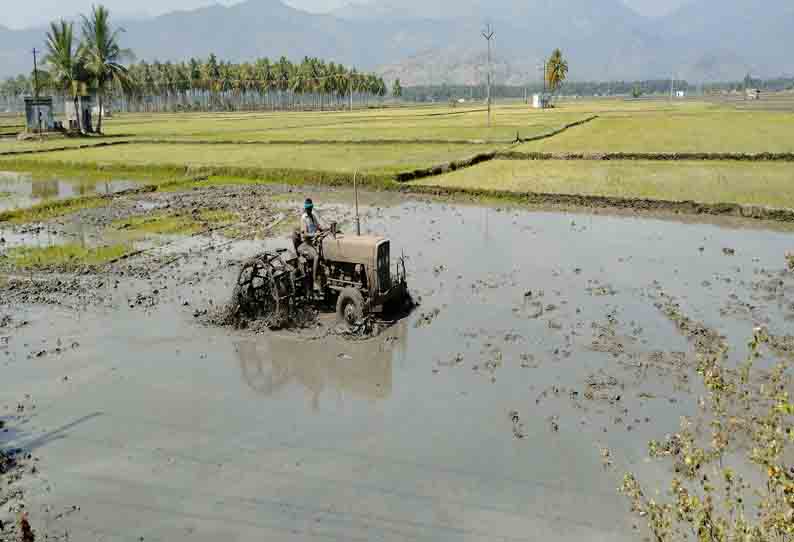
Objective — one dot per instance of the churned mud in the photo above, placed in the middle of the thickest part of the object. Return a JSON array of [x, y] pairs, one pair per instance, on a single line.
[[547, 349]]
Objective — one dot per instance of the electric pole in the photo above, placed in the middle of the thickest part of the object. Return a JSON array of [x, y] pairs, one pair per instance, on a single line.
[[350, 78], [36, 88], [35, 75], [488, 35]]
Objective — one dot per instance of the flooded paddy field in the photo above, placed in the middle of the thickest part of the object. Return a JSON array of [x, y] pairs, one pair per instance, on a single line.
[[19, 190], [546, 351]]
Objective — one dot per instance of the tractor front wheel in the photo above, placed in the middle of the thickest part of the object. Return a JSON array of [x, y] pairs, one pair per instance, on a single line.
[[350, 306]]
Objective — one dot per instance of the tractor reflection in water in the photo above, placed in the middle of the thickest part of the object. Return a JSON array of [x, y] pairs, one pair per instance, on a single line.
[[363, 371]]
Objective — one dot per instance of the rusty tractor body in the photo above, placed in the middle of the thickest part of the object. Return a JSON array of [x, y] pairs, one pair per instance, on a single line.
[[354, 272]]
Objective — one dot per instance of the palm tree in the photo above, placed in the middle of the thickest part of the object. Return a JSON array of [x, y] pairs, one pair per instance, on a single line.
[[102, 53], [556, 70], [64, 63]]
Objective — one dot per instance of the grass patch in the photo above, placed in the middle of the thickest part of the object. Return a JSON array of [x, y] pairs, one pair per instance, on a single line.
[[164, 224], [182, 185], [679, 129], [766, 184], [51, 209], [69, 256], [5, 195]]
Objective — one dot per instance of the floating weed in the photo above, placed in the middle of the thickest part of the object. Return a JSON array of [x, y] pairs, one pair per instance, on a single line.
[[51, 209], [173, 224], [748, 426], [70, 255]]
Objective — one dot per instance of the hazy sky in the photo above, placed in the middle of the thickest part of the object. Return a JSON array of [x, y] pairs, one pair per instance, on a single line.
[[37, 12]]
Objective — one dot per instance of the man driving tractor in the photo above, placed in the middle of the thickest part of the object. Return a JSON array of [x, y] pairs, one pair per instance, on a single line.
[[310, 227]]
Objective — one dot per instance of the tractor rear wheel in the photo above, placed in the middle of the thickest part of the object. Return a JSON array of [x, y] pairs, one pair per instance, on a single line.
[[350, 306]]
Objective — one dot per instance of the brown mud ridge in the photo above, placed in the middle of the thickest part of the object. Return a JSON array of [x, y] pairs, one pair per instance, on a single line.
[[71, 291], [756, 212], [12, 466], [65, 148], [782, 345], [706, 340], [653, 156], [441, 169]]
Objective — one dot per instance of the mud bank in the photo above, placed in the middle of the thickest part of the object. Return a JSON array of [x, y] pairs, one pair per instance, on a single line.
[[652, 156], [639, 205], [65, 148], [295, 177], [482, 157]]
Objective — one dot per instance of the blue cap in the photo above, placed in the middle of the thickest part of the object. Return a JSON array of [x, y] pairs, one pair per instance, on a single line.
[[308, 204]]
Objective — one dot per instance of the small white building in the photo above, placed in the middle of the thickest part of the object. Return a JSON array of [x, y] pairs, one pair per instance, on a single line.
[[680, 93], [540, 101]]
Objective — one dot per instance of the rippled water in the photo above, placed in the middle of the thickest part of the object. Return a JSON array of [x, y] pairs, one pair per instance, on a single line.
[[468, 421], [21, 190]]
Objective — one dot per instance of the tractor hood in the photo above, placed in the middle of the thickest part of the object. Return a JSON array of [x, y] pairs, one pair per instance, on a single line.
[[355, 249]]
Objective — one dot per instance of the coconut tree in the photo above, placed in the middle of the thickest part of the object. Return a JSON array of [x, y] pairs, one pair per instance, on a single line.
[[64, 63], [556, 70], [102, 54]]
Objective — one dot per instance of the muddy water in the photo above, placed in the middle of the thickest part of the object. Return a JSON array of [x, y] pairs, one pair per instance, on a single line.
[[484, 416], [20, 190]]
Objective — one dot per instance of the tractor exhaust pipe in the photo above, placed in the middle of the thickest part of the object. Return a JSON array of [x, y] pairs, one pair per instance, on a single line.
[[355, 192]]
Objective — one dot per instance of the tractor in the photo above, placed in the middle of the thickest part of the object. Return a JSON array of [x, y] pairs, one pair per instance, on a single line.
[[354, 274]]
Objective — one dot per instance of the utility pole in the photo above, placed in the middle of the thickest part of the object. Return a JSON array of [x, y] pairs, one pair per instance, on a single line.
[[350, 78], [35, 75], [488, 34], [36, 88]]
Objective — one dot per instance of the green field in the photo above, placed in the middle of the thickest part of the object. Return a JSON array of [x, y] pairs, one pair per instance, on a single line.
[[328, 147], [384, 159], [767, 184], [688, 127], [401, 125]]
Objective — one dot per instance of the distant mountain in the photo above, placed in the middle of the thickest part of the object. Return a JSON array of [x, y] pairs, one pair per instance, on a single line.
[[654, 8], [435, 41], [754, 35], [531, 11]]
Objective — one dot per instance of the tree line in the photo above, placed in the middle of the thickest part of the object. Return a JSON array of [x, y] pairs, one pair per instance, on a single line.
[[265, 84], [97, 64]]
